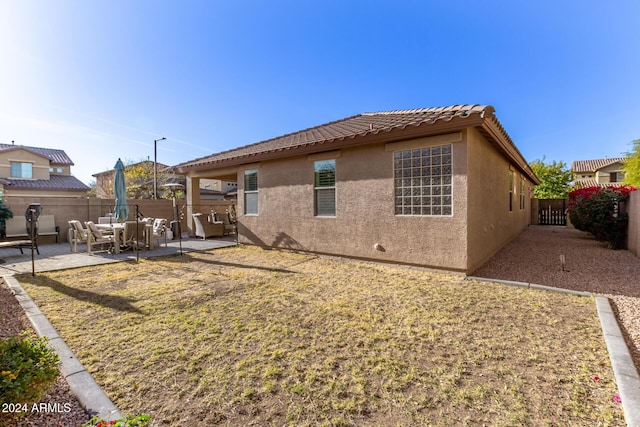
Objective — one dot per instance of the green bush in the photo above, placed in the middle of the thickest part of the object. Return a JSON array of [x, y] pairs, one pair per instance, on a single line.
[[5, 214], [597, 210], [28, 368], [140, 420]]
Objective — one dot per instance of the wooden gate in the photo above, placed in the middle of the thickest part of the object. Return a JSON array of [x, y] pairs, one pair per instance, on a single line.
[[552, 212]]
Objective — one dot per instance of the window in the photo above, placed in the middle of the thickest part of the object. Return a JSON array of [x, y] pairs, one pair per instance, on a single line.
[[325, 187], [521, 192], [616, 177], [423, 181], [510, 191], [21, 170], [251, 192], [58, 170]]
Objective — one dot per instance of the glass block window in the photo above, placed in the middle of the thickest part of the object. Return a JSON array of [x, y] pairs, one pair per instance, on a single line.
[[251, 192], [21, 170], [423, 181], [325, 187]]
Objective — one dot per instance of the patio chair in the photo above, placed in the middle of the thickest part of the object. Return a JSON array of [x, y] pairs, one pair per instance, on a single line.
[[77, 234], [225, 219], [160, 230], [205, 228], [134, 235], [98, 237]]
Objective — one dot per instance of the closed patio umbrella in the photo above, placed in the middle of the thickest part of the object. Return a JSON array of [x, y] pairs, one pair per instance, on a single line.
[[120, 193]]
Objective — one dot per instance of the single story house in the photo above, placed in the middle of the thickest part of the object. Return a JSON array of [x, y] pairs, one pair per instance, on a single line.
[[437, 187], [598, 172]]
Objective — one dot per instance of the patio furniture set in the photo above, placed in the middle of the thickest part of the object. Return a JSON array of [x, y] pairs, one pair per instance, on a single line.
[[215, 224], [117, 236]]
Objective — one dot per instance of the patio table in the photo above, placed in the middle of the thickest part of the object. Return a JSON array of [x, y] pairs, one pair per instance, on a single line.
[[118, 233]]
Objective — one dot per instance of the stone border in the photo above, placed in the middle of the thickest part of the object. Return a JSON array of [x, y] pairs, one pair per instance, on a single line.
[[624, 369], [81, 383]]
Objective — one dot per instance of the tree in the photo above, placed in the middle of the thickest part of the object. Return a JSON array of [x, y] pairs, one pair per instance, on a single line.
[[556, 179], [139, 179], [5, 214], [632, 165]]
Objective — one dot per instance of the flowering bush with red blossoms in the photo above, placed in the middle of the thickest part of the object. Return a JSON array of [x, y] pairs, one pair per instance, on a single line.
[[597, 210]]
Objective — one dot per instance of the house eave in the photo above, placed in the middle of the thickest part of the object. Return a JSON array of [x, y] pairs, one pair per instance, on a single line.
[[382, 136], [495, 133]]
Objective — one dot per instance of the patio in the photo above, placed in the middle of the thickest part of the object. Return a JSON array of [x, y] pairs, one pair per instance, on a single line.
[[57, 256]]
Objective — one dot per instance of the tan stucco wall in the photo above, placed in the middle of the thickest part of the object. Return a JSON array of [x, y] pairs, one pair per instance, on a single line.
[[490, 223], [89, 209], [633, 209], [40, 164], [603, 175], [365, 211]]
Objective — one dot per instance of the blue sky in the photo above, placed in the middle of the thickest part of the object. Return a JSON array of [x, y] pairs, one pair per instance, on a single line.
[[103, 79]]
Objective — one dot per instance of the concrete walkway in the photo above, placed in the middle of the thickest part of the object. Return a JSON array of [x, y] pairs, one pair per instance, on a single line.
[[58, 257]]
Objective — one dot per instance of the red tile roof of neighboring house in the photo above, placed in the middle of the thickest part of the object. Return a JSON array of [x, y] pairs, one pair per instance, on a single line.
[[352, 130], [580, 166], [584, 183], [55, 182], [58, 157]]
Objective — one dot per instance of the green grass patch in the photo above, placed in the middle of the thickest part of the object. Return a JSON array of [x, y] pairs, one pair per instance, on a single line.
[[241, 335]]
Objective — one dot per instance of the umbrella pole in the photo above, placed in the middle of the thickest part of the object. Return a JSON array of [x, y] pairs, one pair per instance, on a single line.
[[137, 237]]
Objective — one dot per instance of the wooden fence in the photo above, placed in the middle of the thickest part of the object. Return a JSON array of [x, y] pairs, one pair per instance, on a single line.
[[552, 212]]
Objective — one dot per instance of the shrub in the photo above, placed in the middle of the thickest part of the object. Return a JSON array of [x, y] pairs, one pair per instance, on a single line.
[[140, 420], [28, 368], [597, 211], [5, 214]]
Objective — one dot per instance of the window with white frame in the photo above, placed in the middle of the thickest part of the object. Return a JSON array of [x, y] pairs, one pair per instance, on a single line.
[[423, 181], [21, 170], [325, 187], [251, 192]]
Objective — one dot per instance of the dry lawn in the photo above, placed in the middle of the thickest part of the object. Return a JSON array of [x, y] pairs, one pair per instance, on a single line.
[[243, 336]]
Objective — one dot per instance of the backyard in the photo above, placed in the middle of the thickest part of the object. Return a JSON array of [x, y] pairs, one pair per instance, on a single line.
[[244, 336]]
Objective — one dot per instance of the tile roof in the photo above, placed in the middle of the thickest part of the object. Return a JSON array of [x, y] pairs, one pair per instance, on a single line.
[[593, 165], [345, 129], [55, 182], [585, 183], [58, 157]]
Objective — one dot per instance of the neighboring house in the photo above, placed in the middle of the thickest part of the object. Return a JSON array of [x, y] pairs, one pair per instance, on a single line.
[[607, 171], [36, 173], [437, 187], [215, 189]]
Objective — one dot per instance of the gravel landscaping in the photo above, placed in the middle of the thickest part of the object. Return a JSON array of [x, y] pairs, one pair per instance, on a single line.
[[12, 321], [534, 257]]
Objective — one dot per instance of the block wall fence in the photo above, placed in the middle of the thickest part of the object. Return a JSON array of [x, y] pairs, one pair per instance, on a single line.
[[65, 209], [633, 209]]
